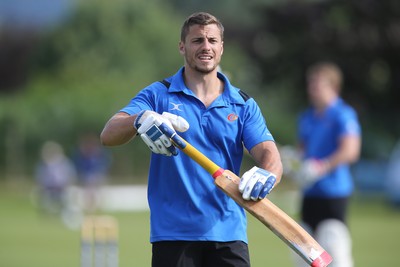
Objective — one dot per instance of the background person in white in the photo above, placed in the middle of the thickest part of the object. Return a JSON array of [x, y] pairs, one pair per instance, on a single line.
[[193, 223], [330, 140]]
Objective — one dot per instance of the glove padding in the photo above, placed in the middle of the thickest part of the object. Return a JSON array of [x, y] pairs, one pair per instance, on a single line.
[[147, 124], [310, 171], [256, 183]]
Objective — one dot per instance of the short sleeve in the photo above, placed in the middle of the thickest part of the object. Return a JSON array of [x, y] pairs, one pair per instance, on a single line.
[[255, 128]]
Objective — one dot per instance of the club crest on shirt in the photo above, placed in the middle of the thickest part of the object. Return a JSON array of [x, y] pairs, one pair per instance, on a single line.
[[232, 117]]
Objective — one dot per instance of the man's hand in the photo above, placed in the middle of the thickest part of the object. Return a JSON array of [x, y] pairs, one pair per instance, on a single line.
[[147, 124], [310, 171], [256, 183]]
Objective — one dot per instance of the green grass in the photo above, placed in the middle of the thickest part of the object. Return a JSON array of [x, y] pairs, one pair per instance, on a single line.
[[28, 238]]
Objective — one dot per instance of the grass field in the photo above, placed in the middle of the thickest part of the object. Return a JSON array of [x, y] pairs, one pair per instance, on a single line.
[[28, 239]]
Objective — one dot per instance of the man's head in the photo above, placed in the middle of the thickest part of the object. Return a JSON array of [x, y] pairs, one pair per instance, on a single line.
[[327, 71], [324, 81], [202, 42]]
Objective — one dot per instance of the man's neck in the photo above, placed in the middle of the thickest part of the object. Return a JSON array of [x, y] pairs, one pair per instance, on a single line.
[[325, 105], [206, 86]]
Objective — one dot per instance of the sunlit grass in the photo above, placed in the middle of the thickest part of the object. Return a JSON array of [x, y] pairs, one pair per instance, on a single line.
[[28, 238]]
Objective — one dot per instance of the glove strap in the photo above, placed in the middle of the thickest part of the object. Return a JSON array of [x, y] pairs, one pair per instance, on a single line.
[[136, 123]]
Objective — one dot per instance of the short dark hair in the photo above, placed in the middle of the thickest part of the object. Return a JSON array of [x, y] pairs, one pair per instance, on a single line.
[[200, 18]]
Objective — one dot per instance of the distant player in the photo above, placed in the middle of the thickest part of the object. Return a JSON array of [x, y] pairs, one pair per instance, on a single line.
[[329, 135]]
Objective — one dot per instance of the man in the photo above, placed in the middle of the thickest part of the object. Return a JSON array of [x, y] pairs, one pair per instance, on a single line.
[[193, 223], [329, 137]]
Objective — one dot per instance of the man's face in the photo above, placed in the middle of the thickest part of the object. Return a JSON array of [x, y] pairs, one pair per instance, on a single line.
[[320, 90], [202, 48]]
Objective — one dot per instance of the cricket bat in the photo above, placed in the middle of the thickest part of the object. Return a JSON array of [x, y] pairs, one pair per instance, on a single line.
[[281, 224]]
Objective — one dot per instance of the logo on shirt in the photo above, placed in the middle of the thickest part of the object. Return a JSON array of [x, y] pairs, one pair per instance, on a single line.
[[232, 117], [176, 106]]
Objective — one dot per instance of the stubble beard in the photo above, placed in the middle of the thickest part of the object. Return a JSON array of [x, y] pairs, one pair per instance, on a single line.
[[204, 70]]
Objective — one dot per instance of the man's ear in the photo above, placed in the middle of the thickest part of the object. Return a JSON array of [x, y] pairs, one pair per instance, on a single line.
[[181, 48]]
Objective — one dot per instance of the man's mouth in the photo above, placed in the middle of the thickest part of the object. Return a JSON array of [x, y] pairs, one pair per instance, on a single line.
[[205, 57]]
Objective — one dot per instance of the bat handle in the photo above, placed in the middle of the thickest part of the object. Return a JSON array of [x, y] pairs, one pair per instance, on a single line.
[[191, 151], [178, 141]]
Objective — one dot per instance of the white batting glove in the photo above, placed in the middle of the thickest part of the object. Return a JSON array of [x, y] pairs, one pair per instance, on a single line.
[[256, 183], [310, 171], [178, 123], [147, 124]]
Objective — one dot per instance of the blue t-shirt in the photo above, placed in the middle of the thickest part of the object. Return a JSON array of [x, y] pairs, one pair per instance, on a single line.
[[320, 135], [184, 202]]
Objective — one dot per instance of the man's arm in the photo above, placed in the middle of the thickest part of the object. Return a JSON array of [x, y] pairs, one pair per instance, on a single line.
[[267, 156], [118, 130], [311, 170], [348, 152], [122, 128]]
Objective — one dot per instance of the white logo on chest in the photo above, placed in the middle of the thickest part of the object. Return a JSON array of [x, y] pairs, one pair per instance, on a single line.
[[176, 106]]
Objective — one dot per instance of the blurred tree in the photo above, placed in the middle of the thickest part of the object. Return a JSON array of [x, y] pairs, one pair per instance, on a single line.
[[82, 72], [105, 37], [363, 37], [21, 25], [15, 52]]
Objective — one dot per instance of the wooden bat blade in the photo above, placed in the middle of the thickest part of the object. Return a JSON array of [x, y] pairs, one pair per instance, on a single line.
[[277, 221]]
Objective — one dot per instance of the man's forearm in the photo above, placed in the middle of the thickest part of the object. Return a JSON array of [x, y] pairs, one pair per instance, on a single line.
[[118, 130], [267, 156], [347, 153]]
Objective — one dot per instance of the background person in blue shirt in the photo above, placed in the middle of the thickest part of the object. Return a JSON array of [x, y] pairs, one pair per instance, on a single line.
[[192, 222], [330, 139]]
